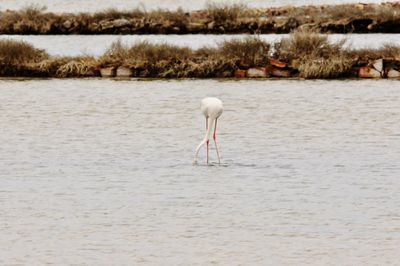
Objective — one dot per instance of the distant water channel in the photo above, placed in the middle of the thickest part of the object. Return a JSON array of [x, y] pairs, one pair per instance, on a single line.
[[98, 172], [73, 45]]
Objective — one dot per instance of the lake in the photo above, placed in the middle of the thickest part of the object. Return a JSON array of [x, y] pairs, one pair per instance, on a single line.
[[99, 172]]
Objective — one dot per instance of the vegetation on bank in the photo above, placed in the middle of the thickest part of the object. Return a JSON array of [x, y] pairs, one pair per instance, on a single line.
[[303, 54], [215, 18]]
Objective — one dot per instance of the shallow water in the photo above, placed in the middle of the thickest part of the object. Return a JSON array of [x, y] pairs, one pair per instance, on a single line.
[[95, 5], [73, 45], [98, 172]]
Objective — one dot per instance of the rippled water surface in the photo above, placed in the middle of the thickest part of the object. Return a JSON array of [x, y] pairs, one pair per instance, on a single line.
[[98, 172]]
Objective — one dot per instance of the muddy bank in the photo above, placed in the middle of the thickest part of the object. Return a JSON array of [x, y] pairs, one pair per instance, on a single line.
[[215, 19]]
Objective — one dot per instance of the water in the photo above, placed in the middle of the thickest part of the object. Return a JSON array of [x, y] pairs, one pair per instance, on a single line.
[[95, 5], [98, 172], [74, 45]]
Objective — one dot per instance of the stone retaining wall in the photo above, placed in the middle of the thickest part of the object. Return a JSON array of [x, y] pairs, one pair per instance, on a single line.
[[378, 69]]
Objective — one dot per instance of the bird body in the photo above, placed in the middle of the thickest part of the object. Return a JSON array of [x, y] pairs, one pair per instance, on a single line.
[[211, 106], [212, 109]]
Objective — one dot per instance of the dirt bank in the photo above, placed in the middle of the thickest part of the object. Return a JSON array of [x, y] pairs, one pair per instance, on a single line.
[[215, 19], [302, 55]]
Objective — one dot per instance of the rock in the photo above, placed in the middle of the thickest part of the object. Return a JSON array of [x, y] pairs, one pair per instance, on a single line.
[[107, 72], [333, 26], [239, 73], [368, 72], [392, 73], [93, 27], [225, 74], [378, 65], [46, 28], [123, 72], [192, 26], [106, 24], [176, 29], [211, 25], [257, 72], [359, 25], [122, 22], [308, 26], [91, 73], [291, 23], [67, 24], [372, 26], [245, 63], [275, 72], [285, 25], [277, 63]]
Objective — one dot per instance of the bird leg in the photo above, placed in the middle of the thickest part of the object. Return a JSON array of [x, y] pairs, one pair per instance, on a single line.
[[207, 140], [215, 141], [207, 149], [204, 141]]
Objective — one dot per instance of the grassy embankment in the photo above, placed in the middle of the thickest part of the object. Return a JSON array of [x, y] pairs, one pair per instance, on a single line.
[[303, 54], [215, 18]]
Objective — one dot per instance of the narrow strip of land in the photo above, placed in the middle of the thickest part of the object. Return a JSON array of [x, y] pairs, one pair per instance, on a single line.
[[303, 54], [215, 19]]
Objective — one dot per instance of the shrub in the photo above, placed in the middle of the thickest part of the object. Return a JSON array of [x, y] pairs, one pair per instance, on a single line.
[[157, 52], [223, 12], [252, 49], [116, 54], [110, 13], [304, 43], [346, 11], [177, 17], [19, 52], [314, 56], [151, 53], [336, 66]]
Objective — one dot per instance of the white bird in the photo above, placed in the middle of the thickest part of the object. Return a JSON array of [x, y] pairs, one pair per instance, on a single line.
[[212, 108]]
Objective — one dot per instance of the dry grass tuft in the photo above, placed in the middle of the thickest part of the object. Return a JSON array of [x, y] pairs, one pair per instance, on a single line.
[[158, 52], [121, 54], [334, 67], [345, 11], [221, 13], [177, 17], [253, 50], [304, 43], [77, 67], [380, 12], [116, 54], [314, 56], [30, 19], [113, 13], [388, 51], [19, 52], [51, 65]]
